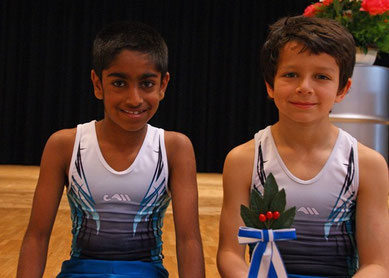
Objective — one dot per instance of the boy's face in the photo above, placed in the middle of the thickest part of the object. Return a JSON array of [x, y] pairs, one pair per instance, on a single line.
[[131, 88], [305, 85]]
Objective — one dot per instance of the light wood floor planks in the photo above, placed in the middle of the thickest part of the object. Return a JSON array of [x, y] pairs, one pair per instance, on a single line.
[[17, 185]]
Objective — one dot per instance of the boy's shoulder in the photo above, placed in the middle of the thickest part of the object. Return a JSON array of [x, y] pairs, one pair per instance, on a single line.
[[243, 149], [369, 158], [177, 143], [63, 136], [176, 138], [67, 136], [238, 168], [58, 150], [242, 155], [180, 153], [62, 141], [373, 169]]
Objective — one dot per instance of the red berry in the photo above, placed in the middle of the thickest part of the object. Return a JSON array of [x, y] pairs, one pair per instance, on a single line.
[[262, 217], [269, 215], [276, 215]]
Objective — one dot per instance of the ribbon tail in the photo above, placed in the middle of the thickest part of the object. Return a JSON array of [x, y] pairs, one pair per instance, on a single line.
[[272, 272], [277, 263], [256, 260], [266, 261]]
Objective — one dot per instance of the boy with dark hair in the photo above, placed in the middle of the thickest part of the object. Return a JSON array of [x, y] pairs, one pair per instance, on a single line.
[[338, 186], [120, 172]]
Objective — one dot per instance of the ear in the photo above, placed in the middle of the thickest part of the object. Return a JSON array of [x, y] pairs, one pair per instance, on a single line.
[[342, 93], [97, 85], [270, 90], [164, 83]]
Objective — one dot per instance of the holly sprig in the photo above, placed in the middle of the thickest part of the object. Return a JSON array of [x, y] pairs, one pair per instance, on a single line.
[[268, 211]]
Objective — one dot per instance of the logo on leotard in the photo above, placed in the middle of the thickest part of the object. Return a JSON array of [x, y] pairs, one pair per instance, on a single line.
[[118, 197], [307, 210]]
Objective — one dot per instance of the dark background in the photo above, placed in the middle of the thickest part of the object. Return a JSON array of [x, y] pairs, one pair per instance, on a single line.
[[216, 95]]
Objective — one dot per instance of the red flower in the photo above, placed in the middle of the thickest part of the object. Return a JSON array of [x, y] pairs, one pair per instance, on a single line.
[[327, 2], [374, 7], [312, 10]]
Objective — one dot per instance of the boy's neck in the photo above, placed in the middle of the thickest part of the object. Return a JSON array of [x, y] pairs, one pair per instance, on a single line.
[[304, 149], [112, 134], [118, 146], [304, 136]]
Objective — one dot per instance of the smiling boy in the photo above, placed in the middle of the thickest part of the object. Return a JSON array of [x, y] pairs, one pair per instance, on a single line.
[[120, 172], [338, 186]]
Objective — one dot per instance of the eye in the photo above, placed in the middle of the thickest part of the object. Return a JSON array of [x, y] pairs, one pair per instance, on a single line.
[[290, 74], [322, 77], [118, 83], [147, 84]]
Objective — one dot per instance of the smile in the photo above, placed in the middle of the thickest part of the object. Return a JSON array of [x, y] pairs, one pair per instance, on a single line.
[[303, 105], [132, 112]]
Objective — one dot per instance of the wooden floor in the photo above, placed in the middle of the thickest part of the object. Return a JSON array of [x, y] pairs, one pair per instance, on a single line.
[[17, 185]]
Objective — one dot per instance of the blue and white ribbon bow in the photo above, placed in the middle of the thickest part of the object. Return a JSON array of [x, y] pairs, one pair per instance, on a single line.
[[266, 260]]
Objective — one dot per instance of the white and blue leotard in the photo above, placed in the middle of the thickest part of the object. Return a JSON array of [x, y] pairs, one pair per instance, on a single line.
[[325, 207], [118, 216]]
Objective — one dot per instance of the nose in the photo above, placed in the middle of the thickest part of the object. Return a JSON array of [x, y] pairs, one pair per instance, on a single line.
[[134, 97], [305, 86]]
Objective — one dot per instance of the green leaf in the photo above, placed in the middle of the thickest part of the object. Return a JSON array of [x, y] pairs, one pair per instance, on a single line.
[[257, 203], [286, 219], [245, 213], [250, 218], [270, 190], [279, 201], [337, 7], [290, 214]]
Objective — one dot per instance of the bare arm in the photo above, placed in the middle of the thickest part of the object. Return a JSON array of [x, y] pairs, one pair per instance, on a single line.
[[183, 186], [372, 220], [237, 175], [33, 253]]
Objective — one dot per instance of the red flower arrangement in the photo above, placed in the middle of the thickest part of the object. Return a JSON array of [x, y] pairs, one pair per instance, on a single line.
[[367, 20], [374, 7]]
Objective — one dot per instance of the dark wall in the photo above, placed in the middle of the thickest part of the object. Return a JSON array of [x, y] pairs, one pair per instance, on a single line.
[[216, 95]]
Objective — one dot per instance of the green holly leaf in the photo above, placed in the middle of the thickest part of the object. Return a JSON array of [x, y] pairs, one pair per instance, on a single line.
[[289, 217], [250, 218], [286, 219], [257, 204], [279, 201], [245, 213], [270, 190]]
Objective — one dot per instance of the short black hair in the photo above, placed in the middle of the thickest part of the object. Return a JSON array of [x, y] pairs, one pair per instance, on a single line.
[[130, 35], [317, 35]]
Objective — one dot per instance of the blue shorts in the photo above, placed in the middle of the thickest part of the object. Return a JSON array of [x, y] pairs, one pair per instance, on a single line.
[[308, 276], [80, 268]]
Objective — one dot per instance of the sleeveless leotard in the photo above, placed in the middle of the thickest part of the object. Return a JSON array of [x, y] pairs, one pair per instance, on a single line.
[[325, 207], [118, 215]]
